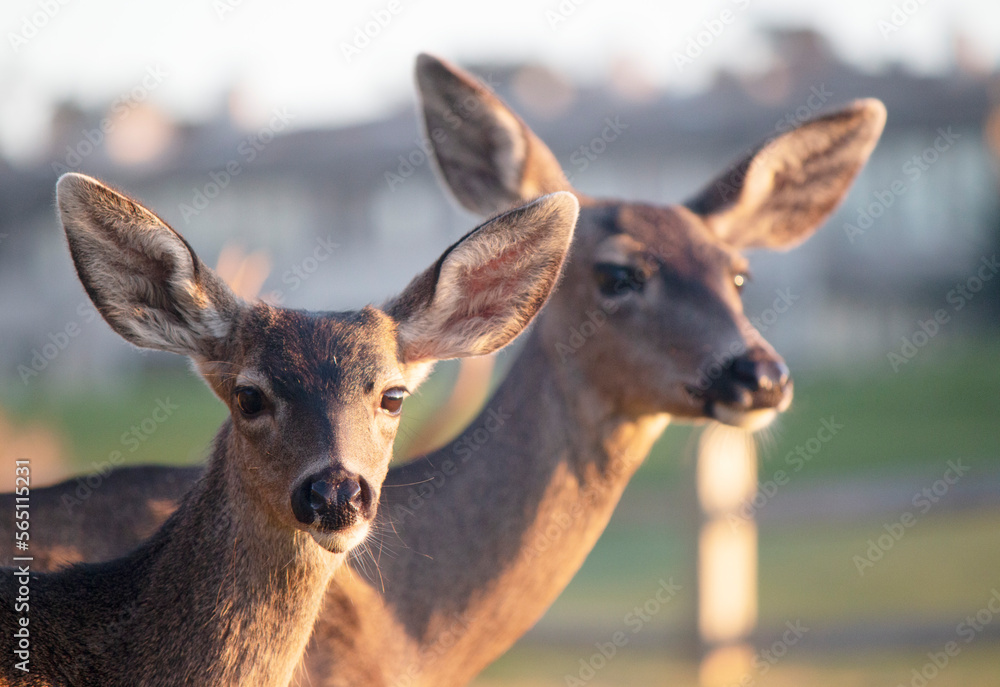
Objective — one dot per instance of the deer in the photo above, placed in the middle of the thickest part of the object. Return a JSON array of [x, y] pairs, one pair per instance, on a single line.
[[568, 426], [227, 590]]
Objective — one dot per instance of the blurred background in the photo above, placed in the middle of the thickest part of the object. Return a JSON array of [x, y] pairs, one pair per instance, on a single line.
[[282, 141]]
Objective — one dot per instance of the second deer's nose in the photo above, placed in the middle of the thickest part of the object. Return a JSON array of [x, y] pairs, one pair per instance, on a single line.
[[755, 372]]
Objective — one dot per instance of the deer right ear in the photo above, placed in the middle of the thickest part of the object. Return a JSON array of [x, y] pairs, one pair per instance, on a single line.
[[777, 196], [488, 157], [488, 286], [143, 277]]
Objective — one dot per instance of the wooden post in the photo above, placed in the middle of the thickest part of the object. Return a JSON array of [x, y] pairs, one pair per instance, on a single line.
[[727, 555]]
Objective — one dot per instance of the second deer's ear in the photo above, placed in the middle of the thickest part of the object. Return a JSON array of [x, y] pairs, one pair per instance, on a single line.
[[143, 277], [777, 196], [488, 157], [488, 287]]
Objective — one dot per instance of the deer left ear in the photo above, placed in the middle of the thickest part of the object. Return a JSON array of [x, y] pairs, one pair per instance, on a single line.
[[488, 287], [779, 195]]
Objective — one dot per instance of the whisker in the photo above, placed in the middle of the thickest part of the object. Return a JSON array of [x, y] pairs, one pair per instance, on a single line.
[[408, 484]]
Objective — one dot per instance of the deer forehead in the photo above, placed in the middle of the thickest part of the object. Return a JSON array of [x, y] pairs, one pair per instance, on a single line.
[[671, 234], [319, 357]]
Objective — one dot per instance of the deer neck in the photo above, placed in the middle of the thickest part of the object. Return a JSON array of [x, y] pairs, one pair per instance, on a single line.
[[498, 521], [219, 595]]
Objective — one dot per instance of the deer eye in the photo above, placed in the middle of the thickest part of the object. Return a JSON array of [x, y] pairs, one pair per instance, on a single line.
[[249, 400], [740, 280], [392, 401], [617, 280]]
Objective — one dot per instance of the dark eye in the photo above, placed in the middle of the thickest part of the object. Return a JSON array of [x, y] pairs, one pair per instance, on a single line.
[[740, 280], [249, 400], [392, 401], [617, 280]]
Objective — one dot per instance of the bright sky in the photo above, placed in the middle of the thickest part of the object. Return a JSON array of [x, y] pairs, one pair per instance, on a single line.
[[292, 54]]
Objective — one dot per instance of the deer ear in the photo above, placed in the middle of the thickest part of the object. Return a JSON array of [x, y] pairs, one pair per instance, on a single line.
[[488, 286], [488, 157], [143, 277], [779, 195]]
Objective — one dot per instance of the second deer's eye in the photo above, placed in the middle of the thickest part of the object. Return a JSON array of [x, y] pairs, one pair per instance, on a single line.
[[617, 280], [392, 401], [249, 400]]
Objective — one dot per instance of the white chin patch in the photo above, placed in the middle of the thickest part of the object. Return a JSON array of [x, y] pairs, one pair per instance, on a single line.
[[750, 420], [341, 542]]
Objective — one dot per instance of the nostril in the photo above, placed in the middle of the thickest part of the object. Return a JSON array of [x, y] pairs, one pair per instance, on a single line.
[[782, 372], [748, 372], [772, 374], [321, 494], [349, 494]]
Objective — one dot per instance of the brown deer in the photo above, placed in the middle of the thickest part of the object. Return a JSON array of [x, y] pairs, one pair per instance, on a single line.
[[227, 590], [475, 515], [490, 547]]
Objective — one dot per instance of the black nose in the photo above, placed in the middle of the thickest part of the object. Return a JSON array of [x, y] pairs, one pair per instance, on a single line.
[[759, 373], [331, 499]]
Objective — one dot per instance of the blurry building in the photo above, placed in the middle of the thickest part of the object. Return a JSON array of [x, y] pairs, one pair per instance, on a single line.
[[370, 190]]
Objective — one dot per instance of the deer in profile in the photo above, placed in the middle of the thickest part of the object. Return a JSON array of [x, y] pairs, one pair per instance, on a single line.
[[227, 590], [472, 575]]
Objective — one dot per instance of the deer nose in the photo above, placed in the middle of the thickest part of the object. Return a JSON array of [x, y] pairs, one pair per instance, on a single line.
[[326, 494], [330, 499], [758, 373]]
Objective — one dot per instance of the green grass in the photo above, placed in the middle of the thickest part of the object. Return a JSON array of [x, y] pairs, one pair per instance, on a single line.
[[92, 423], [975, 666]]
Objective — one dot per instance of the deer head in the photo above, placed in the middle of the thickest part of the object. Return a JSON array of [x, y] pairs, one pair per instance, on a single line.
[[660, 284], [314, 397]]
